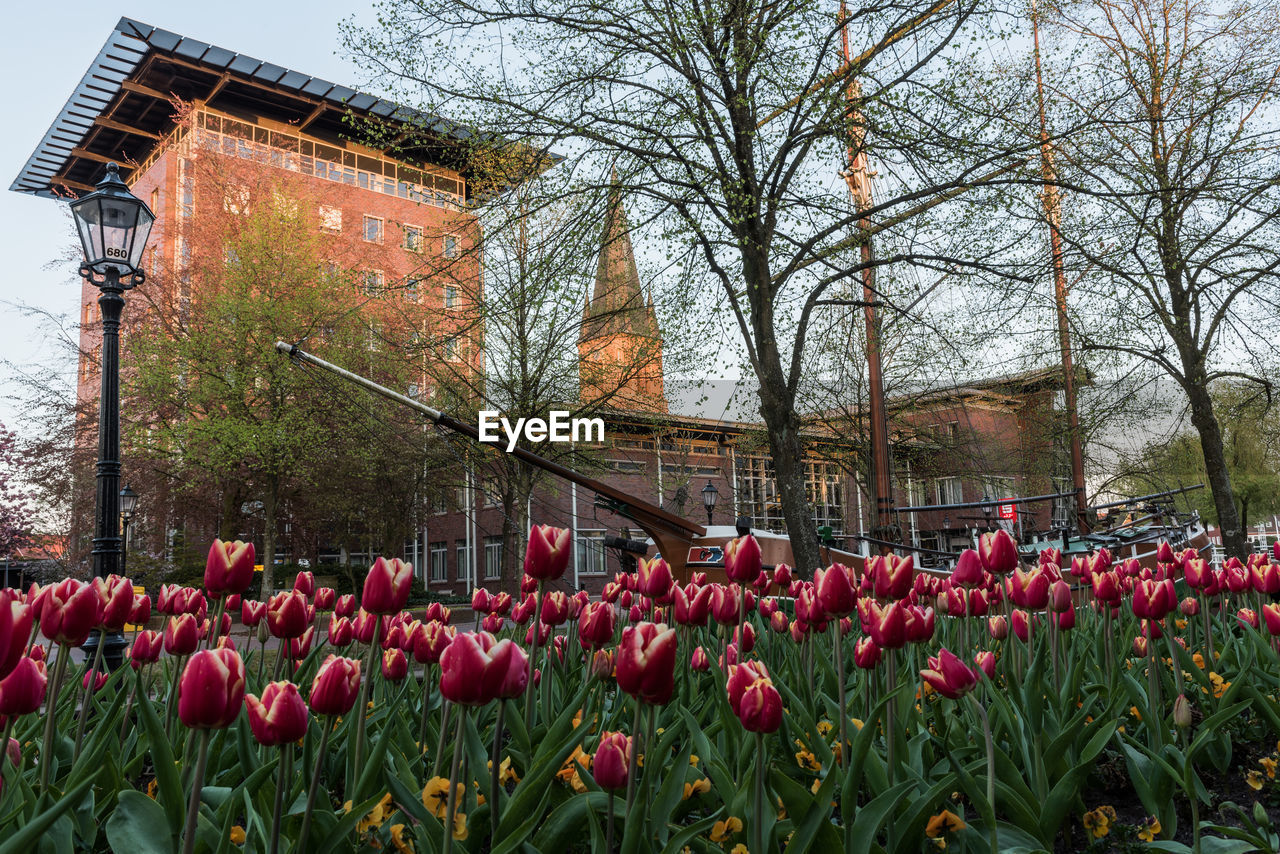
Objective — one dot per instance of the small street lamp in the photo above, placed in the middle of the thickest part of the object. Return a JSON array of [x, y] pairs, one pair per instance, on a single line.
[[128, 503], [988, 509], [709, 497], [113, 225]]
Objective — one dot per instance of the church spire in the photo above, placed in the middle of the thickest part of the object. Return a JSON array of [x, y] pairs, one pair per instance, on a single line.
[[620, 344]]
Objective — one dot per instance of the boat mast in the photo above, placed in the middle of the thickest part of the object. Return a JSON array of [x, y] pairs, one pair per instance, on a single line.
[[859, 182], [1053, 214]]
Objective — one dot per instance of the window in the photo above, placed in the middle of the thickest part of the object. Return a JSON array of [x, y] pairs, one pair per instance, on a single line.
[[330, 219], [464, 560], [450, 296], [440, 503], [950, 490], [371, 282], [411, 289], [372, 229], [451, 246], [492, 557], [236, 199], [413, 238], [155, 201], [438, 560], [590, 553], [490, 493], [412, 392], [451, 349]]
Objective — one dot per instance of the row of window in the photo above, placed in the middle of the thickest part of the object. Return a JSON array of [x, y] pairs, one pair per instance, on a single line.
[[589, 557], [373, 283], [374, 231]]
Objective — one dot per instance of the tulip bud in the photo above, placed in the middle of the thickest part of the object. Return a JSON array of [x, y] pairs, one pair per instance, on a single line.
[[866, 655], [476, 669], [1021, 621], [305, 583], [22, 691], [653, 578], [999, 553], [146, 648], [1140, 647], [969, 570], [287, 614], [547, 555], [1182, 712], [778, 622], [1059, 596], [833, 590], [211, 689], [891, 575], [724, 604], [299, 646], [140, 612], [493, 623], [280, 717], [612, 761], [986, 662], [602, 664], [760, 709], [699, 662], [1247, 617], [335, 687], [430, 643], [555, 608], [745, 637], [325, 599], [595, 625], [1271, 614], [998, 627]]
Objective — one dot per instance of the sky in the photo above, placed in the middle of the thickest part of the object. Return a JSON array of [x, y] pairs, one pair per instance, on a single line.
[[47, 52]]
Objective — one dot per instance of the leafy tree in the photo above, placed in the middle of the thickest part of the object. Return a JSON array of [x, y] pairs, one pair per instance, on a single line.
[[16, 511]]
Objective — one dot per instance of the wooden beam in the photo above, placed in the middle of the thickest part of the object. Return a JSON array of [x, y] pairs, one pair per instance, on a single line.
[[86, 154], [315, 114], [138, 88], [59, 180], [217, 87], [124, 128]]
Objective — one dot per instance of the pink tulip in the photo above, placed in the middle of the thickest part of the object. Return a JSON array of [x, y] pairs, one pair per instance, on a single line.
[[742, 559], [646, 662], [211, 689], [280, 717], [335, 687], [547, 555], [386, 587], [229, 567], [949, 676]]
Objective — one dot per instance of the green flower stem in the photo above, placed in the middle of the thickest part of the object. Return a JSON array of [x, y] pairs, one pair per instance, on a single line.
[[88, 695], [493, 771], [51, 715], [452, 801], [608, 825], [215, 628], [635, 755], [362, 708], [991, 764], [327, 724], [426, 706], [445, 709], [193, 805], [282, 781], [759, 794], [533, 657]]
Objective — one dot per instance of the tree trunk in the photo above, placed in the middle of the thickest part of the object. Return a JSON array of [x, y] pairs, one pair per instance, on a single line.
[[268, 540], [778, 409], [1205, 421]]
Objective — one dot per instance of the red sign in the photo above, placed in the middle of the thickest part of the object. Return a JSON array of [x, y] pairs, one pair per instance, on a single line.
[[1008, 511]]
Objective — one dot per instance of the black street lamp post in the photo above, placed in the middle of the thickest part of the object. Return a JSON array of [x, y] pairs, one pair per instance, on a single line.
[[709, 497], [113, 225], [128, 503]]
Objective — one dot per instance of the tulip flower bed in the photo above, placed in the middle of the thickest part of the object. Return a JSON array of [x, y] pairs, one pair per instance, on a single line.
[[1095, 707]]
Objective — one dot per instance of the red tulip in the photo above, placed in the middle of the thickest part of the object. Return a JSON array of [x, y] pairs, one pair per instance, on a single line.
[[115, 596], [700, 662], [523, 612], [544, 634], [919, 623], [476, 669], [336, 686], [1030, 590], [22, 691], [341, 632], [957, 603], [646, 662], [480, 600], [949, 676], [692, 609], [99, 681], [1270, 613], [998, 551], [436, 611], [998, 627], [1066, 619], [1140, 647], [1106, 587], [71, 611], [745, 637], [305, 583], [345, 606], [1164, 552], [742, 559], [1197, 573], [866, 654], [986, 662], [888, 626], [612, 760], [833, 590], [653, 578], [595, 626], [547, 555], [1247, 617], [1059, 596], [395, 665], [493, 623], [760, 708], [181, 635], [229, 568], [1051, 556], [500, 604], [724, 604], [612, 590], [431, 642], [1265, 578], [782, 576], [386, 587], [140, 612], [555, 608], [280, 717], [1152, 600], [602, 664], [299, 646], [211, 690], [528, 584], [287, 614], [252, 612], [891, 575], [1021, 621], [146, 648], [16, 618], [778, 622], [969, 571], [979, 602]]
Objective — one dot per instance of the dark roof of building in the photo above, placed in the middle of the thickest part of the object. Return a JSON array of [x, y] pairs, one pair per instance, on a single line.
[[123, 107]]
